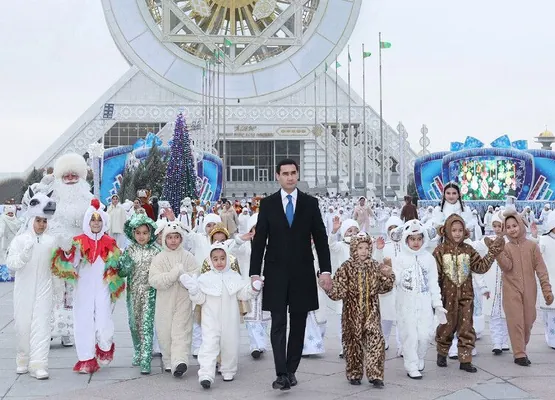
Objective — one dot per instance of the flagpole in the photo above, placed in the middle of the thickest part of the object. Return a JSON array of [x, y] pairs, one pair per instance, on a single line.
[[364, 121], [326, 120], [315, 137], [382, 146], [224, 132], [349, 130], [217, 60], [337, 133]]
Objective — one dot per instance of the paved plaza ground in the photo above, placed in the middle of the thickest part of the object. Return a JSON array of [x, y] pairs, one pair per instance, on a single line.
[[319, 378]]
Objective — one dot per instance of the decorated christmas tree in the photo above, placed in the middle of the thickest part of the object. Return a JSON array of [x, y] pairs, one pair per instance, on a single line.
[[180, 175]]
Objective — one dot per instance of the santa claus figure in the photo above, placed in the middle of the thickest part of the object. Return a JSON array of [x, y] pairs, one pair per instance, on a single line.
[[144, 196], [72, 195]]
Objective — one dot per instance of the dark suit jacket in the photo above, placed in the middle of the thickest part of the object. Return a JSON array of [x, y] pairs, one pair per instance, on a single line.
[[289, 278]]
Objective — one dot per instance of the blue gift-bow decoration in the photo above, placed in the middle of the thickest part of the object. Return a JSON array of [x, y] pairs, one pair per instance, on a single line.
[[149, 141], [502, 142]]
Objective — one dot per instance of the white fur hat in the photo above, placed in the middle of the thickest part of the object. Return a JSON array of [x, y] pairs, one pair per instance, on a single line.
[[70, 162], [251, 222], [172, 227], [209, 219], [550, 223], [10, 208], [497, 218], [346, 225]]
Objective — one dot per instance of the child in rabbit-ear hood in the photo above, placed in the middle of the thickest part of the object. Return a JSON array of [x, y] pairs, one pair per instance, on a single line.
[[455, 261], [521, 262], [358, 282]]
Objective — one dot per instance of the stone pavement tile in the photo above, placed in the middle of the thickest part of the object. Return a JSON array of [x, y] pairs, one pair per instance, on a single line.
[[120, 373], [463, 394], [321, 366], [395, 391], [500, 391], [6, 381], [336, 384], [542, 387], [63, 381], [507, 368]]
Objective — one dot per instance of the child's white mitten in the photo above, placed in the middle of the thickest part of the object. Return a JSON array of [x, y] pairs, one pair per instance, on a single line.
[[257, 285], [189, 283], [441, 315], [28, 246]]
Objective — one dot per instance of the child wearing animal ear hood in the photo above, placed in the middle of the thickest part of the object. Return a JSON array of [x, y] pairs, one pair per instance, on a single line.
[[455, 261], [91, 262], [521, 262], [174, 310], [29, 257]]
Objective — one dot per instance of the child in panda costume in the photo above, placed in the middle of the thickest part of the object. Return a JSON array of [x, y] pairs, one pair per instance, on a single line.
[[217, 292], [418, 296]]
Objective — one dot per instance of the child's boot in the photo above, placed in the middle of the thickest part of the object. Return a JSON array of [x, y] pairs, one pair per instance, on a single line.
[[441, 361], [468, 367]]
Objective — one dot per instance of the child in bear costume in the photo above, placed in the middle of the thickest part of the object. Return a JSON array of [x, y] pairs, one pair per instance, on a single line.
[[173, 314], [218, 292], [29, 257]]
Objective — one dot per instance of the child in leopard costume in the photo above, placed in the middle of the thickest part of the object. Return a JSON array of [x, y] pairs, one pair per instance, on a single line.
[[359, 282]]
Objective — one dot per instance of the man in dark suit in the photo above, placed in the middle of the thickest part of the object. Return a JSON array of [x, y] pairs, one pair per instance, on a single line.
[[287, 221]]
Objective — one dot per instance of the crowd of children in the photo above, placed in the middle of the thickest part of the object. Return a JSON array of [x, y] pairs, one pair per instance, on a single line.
[[188, 289]]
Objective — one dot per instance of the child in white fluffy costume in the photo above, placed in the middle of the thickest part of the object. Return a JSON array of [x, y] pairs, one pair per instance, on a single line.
[[173, 315], [29, 257], [218, 292], [418, 295]]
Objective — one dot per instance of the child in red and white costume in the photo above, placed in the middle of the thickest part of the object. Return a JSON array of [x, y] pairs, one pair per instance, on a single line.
[[90, 262]]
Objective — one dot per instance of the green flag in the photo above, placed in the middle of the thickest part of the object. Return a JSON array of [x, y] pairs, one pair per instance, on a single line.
[[349, 56], [385, 45], [227, 42], [366, 54], [337, 65], [326, 67]]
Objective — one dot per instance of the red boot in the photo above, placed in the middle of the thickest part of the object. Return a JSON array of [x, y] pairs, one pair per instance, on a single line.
[[87, 367], [105, 357]]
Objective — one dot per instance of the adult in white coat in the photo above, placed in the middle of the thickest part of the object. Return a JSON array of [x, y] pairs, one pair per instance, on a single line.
[[9, 226], [118, 217], [418, 295], [218, 292], [29, 257]]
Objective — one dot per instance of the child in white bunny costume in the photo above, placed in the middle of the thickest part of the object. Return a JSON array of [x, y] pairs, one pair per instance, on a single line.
[[29, 257], [217, 292], [418, 295]]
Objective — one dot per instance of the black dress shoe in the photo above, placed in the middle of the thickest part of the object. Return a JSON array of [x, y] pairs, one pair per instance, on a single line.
[[180, 370], [355, 382], [522, 362], [468, 367], [497, 352], [256, 354], [441, 361], [377, 383], [282, 383], [292, 379]]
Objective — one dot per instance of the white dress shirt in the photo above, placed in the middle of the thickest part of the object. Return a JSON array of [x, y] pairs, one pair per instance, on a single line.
[[285, 200]]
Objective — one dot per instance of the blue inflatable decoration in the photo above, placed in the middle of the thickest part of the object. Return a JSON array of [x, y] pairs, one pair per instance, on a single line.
[[488, 175], [116, 159]]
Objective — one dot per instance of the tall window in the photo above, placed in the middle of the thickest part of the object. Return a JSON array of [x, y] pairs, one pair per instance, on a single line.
[[127, 133]]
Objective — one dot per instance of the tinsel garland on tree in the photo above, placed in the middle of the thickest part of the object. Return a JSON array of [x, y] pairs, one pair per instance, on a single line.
[[180, 176]]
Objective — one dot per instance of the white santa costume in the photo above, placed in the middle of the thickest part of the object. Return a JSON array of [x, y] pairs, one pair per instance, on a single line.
[[547, 247], [90, 261], [29, 257], [118, 216], [72, 195], [256, 320], [418, 295], [392, 250], [218, 292], [173, 314]]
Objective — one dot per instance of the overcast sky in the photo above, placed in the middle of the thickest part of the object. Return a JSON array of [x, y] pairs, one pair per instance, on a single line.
[[481, 68]]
